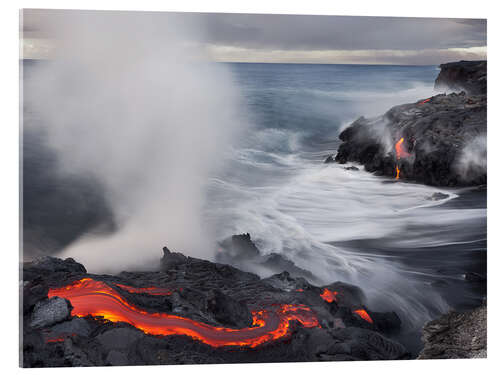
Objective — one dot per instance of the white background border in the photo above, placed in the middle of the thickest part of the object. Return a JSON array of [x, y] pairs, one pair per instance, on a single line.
[[9, 148]]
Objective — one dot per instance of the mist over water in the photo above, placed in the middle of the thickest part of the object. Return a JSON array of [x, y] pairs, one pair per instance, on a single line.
[[390, 239]]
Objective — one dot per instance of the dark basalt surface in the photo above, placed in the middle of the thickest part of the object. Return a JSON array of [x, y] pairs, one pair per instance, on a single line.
[[440, 133], [213, 293], [463, 75], [240, 251], [456, 335]]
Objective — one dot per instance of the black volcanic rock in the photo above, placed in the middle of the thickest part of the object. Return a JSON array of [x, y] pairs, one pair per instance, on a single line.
[[241, 245], [240, 251], [439, 135], [171, 260], [50, 311], [456, 335], [437, 196], [445, 135], [227, 310], [329, 159], [48, 265], [351, 168], [463, 75], [215, 294]]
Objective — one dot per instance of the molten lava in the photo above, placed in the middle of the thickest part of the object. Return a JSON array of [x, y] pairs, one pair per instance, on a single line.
[[400, 150], [328, 295], [364, 315], [400, 153], [149, 290], [96, 298], [424, 101]]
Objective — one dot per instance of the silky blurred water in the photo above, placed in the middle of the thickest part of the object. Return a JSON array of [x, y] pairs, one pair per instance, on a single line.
[[391, 239]]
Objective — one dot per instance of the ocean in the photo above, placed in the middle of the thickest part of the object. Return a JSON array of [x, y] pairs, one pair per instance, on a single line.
[[407, 252]]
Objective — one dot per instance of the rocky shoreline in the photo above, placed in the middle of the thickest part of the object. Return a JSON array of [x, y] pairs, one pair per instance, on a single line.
[[339, 325], [438, 141], [456, 335]]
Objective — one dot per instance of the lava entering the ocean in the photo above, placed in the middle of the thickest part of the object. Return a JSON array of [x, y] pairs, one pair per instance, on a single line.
[[96, 298], [400, 153]]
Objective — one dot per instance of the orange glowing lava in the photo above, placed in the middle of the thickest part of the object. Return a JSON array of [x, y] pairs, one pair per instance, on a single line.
[[400, 153], [149, 290], [424, 101], [328, 295], [54, 339], [96, 298], [400, 149], [364, 315]]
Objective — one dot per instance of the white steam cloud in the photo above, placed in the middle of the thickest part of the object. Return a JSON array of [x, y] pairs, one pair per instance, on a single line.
[[473, 159], [130, 98]]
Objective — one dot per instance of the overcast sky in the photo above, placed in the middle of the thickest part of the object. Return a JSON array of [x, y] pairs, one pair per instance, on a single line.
[[301, 39]]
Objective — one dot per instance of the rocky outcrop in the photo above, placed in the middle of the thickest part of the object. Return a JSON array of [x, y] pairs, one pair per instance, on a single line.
[[456, 335], [212, 294], [463, 75], [240, 251], [442, 140], [49, 312]]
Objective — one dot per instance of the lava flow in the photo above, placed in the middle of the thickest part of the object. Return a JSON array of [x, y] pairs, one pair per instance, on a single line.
[[328, 295], [364, 315], [96, 298], [400, 153], [154, 291]]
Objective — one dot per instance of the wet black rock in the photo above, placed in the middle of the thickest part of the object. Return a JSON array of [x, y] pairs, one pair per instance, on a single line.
[[386, 322], [215, 294], [347, 295], [240, 245], [438, 196], [329, 159], [443, 135], [351, 168], [456, 335], [240, 251], [474, 277], [463, 75]]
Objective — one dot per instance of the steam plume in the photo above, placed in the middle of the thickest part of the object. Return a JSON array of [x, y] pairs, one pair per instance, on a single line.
[[130, 98]]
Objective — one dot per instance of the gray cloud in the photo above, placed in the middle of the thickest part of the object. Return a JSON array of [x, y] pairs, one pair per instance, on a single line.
[[342, 32], [420, 40]]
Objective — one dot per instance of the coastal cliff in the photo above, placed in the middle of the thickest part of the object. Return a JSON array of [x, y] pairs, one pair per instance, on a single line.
[[463, 75], [438, 141]]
